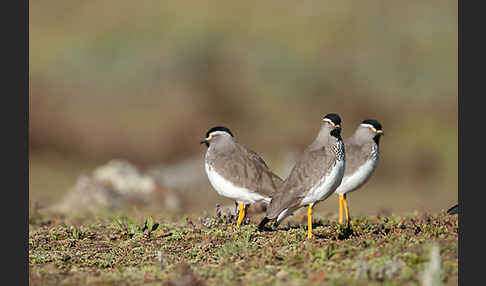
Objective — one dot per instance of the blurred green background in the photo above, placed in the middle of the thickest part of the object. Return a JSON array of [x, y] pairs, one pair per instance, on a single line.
[[144, 81]]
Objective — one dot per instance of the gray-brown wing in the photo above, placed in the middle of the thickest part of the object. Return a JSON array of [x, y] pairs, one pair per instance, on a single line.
[[356, 156], [249, 170], [277, 181], [308, 170]]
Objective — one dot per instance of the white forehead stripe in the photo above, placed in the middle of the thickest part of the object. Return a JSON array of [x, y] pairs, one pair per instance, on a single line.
[[218, 133], [368, 125], [328, 120], [371, 127]]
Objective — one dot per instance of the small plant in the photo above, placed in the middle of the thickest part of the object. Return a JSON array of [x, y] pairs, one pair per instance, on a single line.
[[344, 232], [106, 261], [149, 226], [129, 228], [126, 226]]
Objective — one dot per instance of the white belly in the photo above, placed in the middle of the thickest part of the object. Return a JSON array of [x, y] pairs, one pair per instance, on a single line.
[[358, 178], [326, 186], [228, 189]]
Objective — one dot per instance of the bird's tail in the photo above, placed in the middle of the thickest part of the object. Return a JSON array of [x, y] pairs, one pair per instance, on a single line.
[[262, 224]]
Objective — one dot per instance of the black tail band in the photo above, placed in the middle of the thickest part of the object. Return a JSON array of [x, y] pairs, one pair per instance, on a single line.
[[262, 224]]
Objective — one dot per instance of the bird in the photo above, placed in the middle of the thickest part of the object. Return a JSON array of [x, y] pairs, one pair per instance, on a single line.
[[237, 172], [362, 155], [315, 176], [453, 210]]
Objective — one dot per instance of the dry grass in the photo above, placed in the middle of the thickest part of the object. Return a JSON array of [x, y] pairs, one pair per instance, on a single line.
[[388, 250]]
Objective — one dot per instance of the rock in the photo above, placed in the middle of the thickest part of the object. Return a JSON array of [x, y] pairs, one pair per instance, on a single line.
[[124, 178], [115, 185], [183, 176]]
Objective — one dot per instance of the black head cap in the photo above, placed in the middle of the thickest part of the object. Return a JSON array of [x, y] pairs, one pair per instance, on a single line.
[[377, 126], [373, 123], [219, 128], [334, 118]]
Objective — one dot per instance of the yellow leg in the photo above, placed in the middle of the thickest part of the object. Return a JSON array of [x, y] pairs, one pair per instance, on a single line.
[[346, 209], [309, 221], [241, 215], [340, 209]]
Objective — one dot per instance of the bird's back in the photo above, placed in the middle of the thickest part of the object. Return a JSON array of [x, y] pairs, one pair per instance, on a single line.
[[245, 168]]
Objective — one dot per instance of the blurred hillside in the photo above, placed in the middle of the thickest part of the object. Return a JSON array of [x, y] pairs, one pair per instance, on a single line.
[[144, 81]]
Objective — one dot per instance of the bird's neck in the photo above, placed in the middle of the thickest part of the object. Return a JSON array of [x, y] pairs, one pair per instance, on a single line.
[[221, 146], [323, 140]]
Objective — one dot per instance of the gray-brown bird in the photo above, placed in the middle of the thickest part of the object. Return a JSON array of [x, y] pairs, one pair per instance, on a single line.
[[362, 154], [237, 172], [315, 176]]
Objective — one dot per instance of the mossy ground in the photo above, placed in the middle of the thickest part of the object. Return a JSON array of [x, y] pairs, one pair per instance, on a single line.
[[391, 250]]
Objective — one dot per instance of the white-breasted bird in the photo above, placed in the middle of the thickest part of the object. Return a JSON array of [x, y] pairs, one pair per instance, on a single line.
[[362, 154], [237, 172], [315, 176]]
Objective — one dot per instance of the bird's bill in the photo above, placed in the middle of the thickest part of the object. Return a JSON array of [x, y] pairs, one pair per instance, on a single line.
[[379, 132], [206, 140]]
